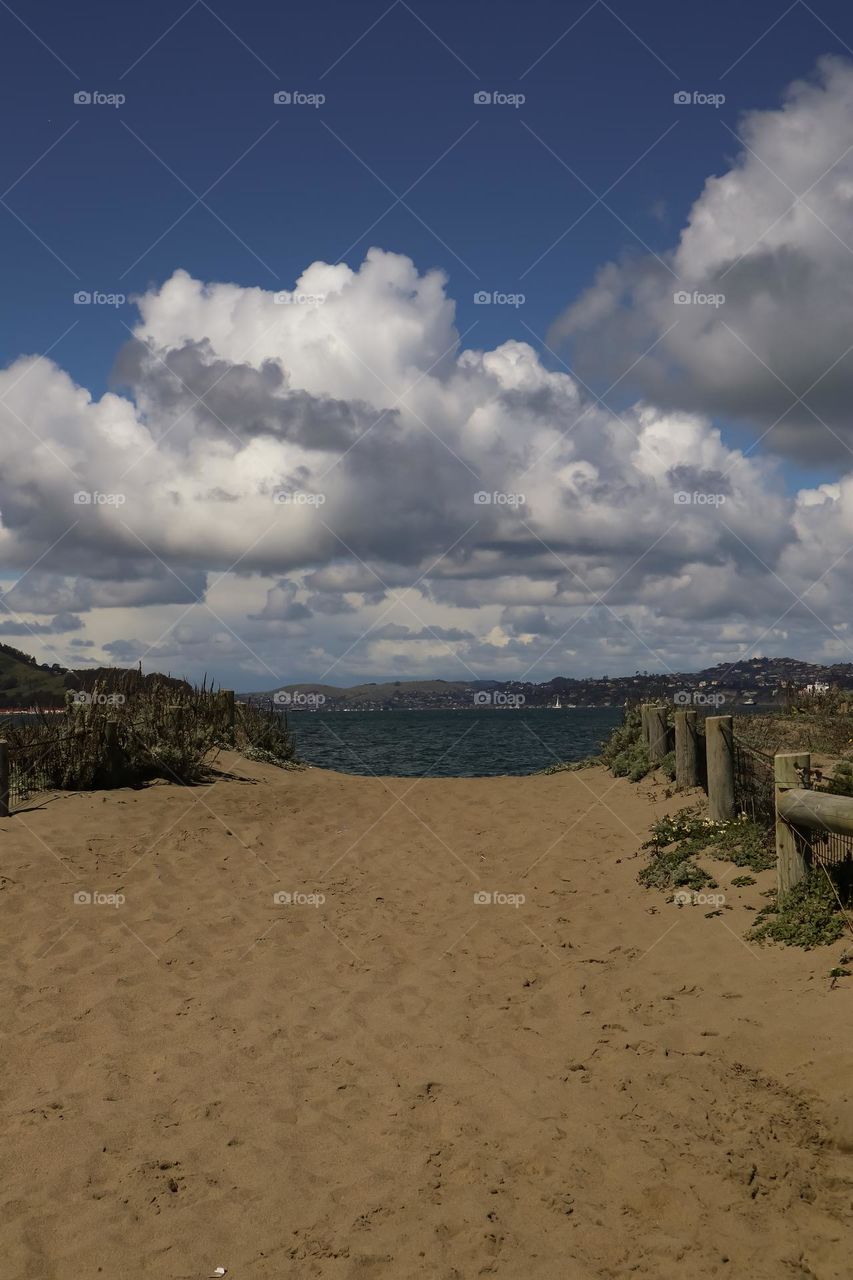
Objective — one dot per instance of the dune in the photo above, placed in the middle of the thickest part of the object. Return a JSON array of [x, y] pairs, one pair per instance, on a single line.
[[384, 1076]]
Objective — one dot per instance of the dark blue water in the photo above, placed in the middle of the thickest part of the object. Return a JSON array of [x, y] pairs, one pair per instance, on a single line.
[[449, 744]]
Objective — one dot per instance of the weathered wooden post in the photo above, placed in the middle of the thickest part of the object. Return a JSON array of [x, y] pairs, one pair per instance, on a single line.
[[686, 749], [657, 733], [4, 778], [228, 699], [644, 724], [112, 748], [791, 843], [720, 754]]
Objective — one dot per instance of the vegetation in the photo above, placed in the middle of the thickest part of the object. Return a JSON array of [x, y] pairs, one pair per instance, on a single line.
[[818, 722], [141, 730], [572, 766], [667, 765], [807, 916], [263, 735], [841, 782], [23, 682], [676, 840], [624, 752], [26, 683]]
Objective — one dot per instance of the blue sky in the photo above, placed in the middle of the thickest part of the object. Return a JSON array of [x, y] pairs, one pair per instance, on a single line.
[[400, 96], [198, 169]]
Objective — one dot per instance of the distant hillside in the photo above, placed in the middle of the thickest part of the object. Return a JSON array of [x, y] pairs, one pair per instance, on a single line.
[[24, 682], [760, 681], [391, 693]]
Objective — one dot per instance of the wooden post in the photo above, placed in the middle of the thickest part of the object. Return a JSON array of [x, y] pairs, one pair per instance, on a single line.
[[4, 778], [657, 733], [228, 699], [111, 742], [790, 842], [719, 739], [644, 723], [686, 749]]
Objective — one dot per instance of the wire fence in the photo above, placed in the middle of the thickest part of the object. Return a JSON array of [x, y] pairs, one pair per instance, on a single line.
[[754, 783], [832, 851], [36, 766]]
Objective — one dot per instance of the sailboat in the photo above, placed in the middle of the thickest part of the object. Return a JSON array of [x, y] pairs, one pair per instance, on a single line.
[[557, 705]]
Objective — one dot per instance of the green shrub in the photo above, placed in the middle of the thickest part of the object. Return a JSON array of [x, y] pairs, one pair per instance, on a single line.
[[841, 782], [677, 838], [807, 916], [667, 765], [138, 731]]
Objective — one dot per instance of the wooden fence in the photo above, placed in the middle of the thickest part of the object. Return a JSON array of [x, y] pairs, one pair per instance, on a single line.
[[810, 826]]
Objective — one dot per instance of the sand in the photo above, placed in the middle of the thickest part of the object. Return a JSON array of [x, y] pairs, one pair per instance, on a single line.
[[398, 1081]]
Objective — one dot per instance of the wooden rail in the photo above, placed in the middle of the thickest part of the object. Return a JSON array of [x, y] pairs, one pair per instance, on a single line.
[[800, 814]]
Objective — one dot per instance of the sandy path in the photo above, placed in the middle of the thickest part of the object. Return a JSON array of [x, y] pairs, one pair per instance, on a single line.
[[400, 1082]]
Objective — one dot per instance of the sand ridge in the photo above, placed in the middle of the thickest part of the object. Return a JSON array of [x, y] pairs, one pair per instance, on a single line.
[[385, 1077]]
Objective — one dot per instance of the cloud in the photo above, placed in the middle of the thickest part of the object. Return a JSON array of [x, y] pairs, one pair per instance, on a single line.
[[58, 625], [774, 237], [455, 511]]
